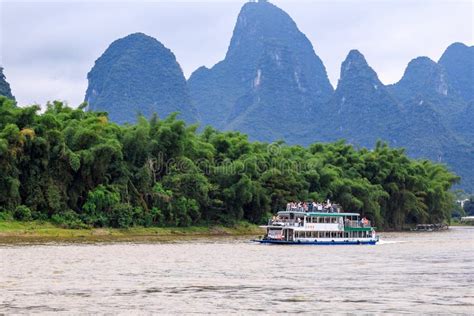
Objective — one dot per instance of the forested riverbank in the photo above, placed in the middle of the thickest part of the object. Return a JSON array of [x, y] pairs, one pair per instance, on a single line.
[[78, 170]]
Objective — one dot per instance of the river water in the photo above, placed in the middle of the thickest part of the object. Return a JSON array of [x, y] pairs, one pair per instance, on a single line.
[[405, 273]]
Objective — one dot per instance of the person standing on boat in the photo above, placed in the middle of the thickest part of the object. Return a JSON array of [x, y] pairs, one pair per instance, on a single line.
[[293, 206]]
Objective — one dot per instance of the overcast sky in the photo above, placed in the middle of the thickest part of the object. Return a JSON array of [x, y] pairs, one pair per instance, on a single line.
[[47, 48]]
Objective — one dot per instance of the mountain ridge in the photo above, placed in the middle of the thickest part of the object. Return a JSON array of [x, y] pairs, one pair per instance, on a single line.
[[272, 86]]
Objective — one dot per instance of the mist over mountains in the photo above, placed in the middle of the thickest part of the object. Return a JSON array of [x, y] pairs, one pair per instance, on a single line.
[[273, 86]]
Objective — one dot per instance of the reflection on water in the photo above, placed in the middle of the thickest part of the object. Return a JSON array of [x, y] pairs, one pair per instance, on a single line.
[[405, 273]]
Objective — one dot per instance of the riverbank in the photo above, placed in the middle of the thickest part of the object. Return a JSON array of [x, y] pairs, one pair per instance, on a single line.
[[36, 231]]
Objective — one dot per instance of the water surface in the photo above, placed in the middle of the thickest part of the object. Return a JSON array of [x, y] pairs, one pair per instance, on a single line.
[[405, 273]]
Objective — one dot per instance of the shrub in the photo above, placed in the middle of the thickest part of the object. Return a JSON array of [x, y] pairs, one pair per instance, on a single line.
[[5, 215], [22, 213], [121, 215], [68, 219], [99, 206]]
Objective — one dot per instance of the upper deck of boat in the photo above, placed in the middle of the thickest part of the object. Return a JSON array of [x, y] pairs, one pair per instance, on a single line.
[[316, 214]]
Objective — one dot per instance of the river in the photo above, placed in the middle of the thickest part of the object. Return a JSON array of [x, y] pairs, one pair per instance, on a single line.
[[405, 273]]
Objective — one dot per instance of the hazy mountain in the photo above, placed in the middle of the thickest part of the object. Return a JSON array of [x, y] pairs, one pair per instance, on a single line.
[[270, 82], [427, 83], [361, 110], [458, 60], [271, 85], [138, 74], [463, 125], [438, 122], [5, 86]]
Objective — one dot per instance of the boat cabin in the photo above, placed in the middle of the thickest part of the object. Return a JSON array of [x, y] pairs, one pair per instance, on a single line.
[[318, 226]]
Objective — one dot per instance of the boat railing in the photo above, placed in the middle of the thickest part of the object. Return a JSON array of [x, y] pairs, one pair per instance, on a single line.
[[332, 209], [290, 223], [357, 224]]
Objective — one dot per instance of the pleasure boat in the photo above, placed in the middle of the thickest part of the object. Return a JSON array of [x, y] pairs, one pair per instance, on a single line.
[[326, 227]]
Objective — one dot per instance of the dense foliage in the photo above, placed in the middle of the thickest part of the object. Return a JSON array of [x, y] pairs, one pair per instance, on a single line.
[[78, 169]]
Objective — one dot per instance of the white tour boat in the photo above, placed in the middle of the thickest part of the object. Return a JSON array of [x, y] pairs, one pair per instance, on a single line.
[[326, 227]]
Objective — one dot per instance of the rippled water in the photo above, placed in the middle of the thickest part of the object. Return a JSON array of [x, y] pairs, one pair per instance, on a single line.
[[405, 273]]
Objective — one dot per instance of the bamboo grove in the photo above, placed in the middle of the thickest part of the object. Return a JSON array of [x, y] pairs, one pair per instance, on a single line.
[[77, 169]]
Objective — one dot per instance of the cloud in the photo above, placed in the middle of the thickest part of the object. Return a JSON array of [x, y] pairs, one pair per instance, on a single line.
[[47, 48]]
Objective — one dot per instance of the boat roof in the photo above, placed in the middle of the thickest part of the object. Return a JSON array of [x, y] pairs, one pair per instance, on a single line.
[[319, 213]]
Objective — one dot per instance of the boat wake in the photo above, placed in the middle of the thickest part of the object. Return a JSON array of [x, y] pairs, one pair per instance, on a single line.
[[388, 242]]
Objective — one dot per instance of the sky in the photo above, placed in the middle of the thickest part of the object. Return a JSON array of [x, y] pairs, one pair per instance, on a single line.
[[47, 48]]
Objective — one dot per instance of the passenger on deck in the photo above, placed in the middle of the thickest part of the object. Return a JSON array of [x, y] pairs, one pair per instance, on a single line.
[[364, 222], [293, 206]]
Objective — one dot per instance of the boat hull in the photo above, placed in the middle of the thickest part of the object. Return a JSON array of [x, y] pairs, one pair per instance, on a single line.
[[320, 243]]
